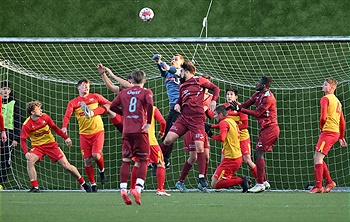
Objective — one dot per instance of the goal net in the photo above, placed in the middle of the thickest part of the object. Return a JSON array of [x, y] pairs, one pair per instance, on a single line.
[[47, 70]]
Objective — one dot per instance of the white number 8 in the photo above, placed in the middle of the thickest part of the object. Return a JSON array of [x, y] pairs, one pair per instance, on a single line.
[[132, 104]]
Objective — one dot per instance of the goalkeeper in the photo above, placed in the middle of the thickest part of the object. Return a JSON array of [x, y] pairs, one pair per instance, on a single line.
[[171, 79]]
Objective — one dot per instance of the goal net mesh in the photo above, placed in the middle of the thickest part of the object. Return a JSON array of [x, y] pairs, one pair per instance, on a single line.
[[48, 70]]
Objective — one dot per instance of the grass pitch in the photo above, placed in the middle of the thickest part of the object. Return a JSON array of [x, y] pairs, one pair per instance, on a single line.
[[223, 206]]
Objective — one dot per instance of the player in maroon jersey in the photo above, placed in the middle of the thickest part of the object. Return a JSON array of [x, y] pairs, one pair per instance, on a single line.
[[192, 118], [136, 107], [266, 114]]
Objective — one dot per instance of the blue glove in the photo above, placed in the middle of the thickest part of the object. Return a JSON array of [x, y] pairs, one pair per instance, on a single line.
[[157, 58], [164, 66]]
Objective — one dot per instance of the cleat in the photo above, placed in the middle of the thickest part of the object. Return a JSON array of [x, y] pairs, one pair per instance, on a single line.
[[203, 182], [162, 192], [267, 185], [34, 190], [317, 190], [181, 187], [203, 189], [126, 198], [86, 187], [86, 109], [166, 163], [245, 184], [137, 196], [329, 187], [258, 188], [103, 177], [94, 188]]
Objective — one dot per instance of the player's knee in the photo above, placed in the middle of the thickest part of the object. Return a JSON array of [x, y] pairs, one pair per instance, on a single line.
[[96, 156]]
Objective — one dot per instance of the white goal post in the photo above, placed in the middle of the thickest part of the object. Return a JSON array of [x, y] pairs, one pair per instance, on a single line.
[[47, 69]]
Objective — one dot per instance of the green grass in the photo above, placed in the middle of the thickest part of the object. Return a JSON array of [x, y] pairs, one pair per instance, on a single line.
[[224, 206]]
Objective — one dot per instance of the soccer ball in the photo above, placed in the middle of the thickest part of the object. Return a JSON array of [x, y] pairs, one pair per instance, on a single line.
[[146, 14]]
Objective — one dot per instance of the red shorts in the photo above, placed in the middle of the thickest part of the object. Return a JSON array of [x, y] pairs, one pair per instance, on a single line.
[[268, 137], [155, 156], [90, 144], [227, 168], [245, 147], [193, 124], [189, 142], [50, 149], [135, 145], [326, 140]]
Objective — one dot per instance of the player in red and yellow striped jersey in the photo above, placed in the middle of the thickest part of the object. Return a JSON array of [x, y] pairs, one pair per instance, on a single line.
[[232, 156], [242, 121], [332, 126], [91, 130], [37, 128]]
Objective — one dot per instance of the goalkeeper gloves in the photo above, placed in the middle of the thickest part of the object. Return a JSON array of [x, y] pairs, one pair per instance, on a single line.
[[157, 58], [234, 106], [164, 66], [207, 127]]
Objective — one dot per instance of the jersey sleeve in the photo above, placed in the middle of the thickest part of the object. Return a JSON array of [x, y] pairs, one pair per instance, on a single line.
[[250, 101], [224, 127], [209, 85], [159, 118], [55, 128], [24, 135], [149, 100], [324, 106], [102, 100], [264, 105], [68, 114]]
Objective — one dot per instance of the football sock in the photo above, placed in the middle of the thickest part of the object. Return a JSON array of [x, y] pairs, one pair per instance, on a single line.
[[326, 174], [90, 173], [34, 183], [260, 164], [206, 168], [201, 163], [318, 171], [254, 172], [124, 172], [234, 181], [142, 171], [81, 180], [139, 184], [160, 177], [185, 169], [133, 177], [100, 110], [100, 163]]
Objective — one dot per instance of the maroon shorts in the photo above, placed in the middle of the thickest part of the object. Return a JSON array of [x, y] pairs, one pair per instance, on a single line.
[[267, 138], [326, 140], [189, 142], [135, 145], [195, 125], [90, 144], [227, 168], [50, 149]]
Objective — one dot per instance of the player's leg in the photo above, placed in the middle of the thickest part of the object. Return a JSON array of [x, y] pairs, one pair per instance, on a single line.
[[124, 177], [134, 170], [156, 158], [186, 167], [97, 154], [246, 154], [31, 170], [74, 172], [172, 117], [5, 152]]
